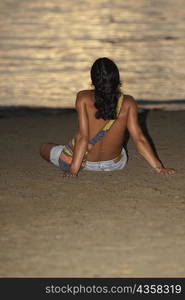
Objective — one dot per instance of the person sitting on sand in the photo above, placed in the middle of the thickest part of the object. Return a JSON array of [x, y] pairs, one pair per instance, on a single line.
[[104, 114]]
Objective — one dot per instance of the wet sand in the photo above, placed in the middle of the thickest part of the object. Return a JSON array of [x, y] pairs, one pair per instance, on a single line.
[[128, 223]]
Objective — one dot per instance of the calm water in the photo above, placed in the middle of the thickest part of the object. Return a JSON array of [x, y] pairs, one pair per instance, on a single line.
[[48, 47]]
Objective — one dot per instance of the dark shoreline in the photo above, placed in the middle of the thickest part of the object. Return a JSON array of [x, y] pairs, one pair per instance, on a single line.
[[27, 110], [143, 105]]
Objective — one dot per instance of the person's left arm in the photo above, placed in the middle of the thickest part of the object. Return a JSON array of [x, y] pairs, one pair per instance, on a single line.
[[81, 139]]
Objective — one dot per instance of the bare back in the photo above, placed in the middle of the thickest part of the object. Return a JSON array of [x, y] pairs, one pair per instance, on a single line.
[[111, 144]]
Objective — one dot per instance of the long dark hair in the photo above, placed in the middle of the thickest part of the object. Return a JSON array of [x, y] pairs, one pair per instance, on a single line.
[[106, 80]]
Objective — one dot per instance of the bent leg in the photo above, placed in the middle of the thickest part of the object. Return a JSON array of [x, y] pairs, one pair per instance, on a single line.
[[45, 150]]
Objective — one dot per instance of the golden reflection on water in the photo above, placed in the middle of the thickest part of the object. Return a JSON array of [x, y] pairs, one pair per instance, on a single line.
[[48, 47]]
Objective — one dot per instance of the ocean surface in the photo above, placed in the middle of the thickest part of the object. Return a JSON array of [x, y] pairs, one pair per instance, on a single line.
[[47, 49]]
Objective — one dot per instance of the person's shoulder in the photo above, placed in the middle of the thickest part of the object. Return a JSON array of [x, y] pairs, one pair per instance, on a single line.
[[84, 93], [130, 101], [82, 98]]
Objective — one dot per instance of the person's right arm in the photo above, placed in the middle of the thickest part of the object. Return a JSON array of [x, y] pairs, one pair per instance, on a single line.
[[140, 141]]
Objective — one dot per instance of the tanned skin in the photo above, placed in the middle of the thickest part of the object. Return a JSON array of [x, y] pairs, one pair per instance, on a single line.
[[110, 145]]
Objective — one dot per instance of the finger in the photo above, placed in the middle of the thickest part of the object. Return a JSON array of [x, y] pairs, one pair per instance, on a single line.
[[74, 175], [65, 175], [172, 172], [165, 172]]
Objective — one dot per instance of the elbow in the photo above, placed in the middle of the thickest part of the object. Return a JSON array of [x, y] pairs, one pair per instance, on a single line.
[[139, 139], [140, 143]]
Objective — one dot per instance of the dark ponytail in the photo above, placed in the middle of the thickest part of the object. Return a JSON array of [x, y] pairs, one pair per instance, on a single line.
[[106, 80]]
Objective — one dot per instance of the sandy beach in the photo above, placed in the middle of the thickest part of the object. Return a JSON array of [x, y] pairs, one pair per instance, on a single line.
[[128, 223]]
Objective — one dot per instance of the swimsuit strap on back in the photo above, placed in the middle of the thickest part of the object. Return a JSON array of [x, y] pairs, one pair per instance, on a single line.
[[69, 148], [108, 125]]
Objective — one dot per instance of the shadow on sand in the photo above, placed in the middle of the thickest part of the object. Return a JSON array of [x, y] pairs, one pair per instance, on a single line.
[[142, 118]]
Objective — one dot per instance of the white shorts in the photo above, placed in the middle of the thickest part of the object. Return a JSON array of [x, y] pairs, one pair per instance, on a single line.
[[107, 165]]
